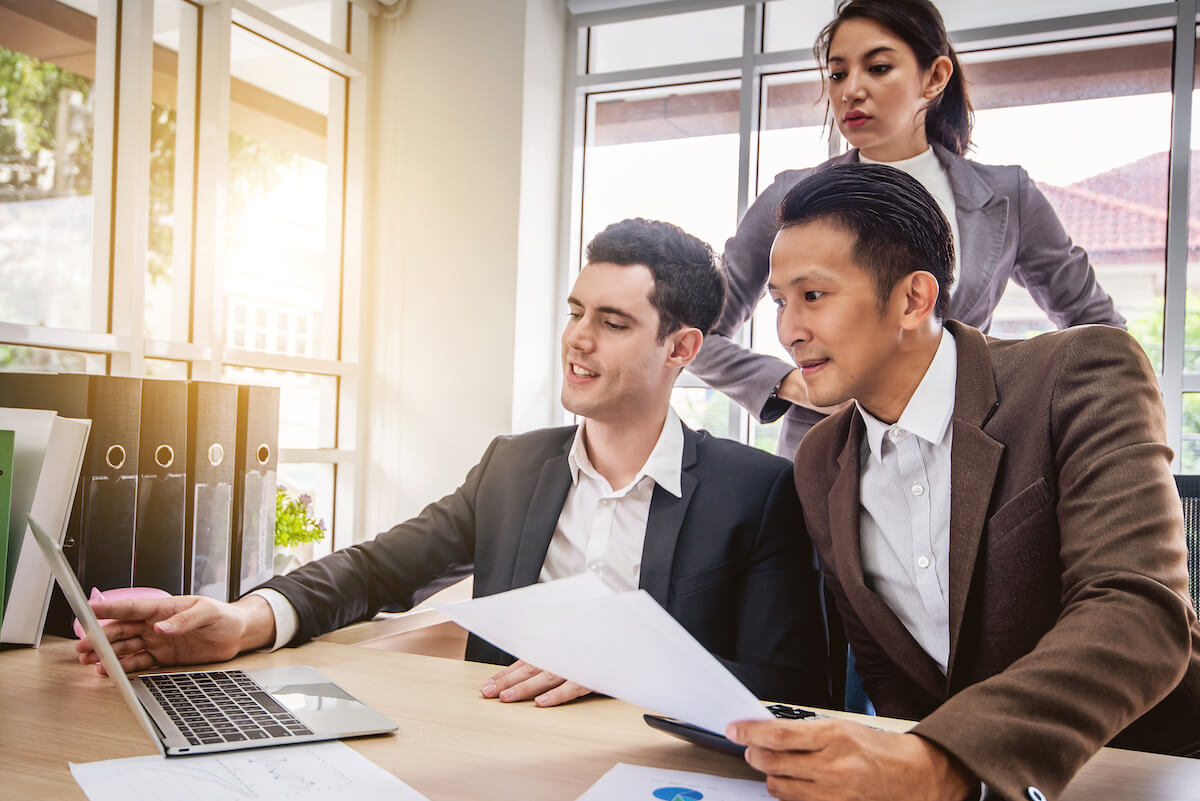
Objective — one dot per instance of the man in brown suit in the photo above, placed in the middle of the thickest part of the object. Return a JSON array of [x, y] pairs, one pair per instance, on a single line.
[[997, 521]]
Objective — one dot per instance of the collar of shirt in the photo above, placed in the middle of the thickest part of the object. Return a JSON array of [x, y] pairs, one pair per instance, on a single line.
[[664, 465], [931, 406], [924, 160]]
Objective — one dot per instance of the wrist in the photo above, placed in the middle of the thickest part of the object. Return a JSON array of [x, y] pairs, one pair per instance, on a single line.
[[950, 778], [257, 622]]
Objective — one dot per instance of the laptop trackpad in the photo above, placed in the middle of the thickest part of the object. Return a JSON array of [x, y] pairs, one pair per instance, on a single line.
[[322, 705]]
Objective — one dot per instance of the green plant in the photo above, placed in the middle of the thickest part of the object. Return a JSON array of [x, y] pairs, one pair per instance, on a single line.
[[294, 521]]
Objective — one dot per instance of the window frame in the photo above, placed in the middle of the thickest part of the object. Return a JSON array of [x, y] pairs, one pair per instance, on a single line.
[[754, 64]]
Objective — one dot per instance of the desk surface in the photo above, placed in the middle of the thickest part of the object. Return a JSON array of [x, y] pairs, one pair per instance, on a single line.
[[452, 745]]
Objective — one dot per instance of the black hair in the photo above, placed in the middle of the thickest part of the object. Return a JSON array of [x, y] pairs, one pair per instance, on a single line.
[[949, 117], [897, 226], [689, 286]]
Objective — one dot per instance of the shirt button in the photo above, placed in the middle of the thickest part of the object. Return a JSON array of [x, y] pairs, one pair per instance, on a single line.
[[922, 562], [896, 432], [918, 490]]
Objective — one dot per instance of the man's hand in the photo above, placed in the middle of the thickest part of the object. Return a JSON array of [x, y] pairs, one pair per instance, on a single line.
[[793, 389], [181, 630], [837, 759], [521, 681]]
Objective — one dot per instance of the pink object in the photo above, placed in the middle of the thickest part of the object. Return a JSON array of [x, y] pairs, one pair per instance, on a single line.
[[121, 594]]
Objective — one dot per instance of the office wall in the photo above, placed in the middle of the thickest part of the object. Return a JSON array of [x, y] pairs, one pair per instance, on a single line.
[[465, 168]]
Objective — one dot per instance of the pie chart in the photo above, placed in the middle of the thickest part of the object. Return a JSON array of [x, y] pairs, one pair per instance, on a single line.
[[678, 794]]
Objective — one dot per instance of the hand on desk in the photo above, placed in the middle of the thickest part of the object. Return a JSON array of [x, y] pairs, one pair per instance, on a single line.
[[181, 630], [839, 759], [521, 681]]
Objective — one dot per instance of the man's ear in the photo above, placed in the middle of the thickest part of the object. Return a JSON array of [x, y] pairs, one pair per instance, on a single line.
[[685, 344], [916, 296]]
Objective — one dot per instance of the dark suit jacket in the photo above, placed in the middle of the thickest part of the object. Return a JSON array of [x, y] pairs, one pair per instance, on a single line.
[[1070, 621], [1007, 229], [729, 560]]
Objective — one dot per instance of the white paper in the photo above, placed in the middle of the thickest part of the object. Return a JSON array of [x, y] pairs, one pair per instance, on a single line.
[[332, 771], [621, 644], [624, 782]]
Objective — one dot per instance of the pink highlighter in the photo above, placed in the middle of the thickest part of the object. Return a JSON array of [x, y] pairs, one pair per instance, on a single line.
[[121, 594]]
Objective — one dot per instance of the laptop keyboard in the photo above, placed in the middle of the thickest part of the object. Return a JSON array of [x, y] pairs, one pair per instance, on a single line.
[[222, 706]]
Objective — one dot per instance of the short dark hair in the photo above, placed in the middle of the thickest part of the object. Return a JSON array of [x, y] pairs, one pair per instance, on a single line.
[[689, 286], [949, 117], [897, 225]]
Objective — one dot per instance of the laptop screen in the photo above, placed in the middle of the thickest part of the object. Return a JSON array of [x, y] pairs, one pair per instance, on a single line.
[[91, 626]]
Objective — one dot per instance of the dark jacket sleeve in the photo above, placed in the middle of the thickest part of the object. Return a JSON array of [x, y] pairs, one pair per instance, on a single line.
[[1054, 269], [354, 583], [781, 650]]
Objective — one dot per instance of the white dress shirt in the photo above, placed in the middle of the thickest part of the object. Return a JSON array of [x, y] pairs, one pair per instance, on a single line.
[[599, 529], [904, 506], [933, 175]]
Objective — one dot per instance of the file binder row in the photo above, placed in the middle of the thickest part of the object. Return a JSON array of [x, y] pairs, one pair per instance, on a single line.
[[178, 483]]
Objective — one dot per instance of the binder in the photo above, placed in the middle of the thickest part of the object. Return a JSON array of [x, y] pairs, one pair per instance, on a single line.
[[159, 523], [55, 482], [7, 441], [99, 539], [211, 447], [252, 557]]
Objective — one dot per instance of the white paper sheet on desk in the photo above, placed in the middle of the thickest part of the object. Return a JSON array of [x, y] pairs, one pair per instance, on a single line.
[[317, 772], [624, 782], [621, 644]]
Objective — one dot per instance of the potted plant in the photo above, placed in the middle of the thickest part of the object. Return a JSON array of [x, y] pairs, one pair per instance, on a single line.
[[295, 527]]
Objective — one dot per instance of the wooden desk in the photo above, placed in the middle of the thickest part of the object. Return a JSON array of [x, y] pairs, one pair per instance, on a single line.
[[452, 745]]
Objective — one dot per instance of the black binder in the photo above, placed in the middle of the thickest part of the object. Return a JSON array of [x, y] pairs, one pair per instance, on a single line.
[[212, 442], [99, 541], [162, 487], [252, 557]]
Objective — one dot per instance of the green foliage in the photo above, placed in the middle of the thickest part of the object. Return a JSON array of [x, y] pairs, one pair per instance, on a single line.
[[294, 521]]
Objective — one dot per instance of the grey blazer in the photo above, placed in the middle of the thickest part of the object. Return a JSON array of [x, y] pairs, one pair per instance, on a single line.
[[1007, 229]]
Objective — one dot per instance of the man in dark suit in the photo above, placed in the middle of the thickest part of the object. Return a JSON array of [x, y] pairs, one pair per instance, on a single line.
[[704, 525], [997, 521]]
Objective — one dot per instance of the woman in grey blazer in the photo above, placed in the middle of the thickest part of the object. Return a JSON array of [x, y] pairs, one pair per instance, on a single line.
[[898, 96]]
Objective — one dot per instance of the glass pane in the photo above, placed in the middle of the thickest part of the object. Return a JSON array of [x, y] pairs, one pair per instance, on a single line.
[[47, 64], [164, 368], [311, 16], [794, 24], [677, 39], [793, 133], [1109, 189], [668, 153], [18, 358], [765, 436], [1191, 345], [1190, 451], [316, 482], [307, 404], [701, 407], [282, 263], [964, 14], [168, 258]]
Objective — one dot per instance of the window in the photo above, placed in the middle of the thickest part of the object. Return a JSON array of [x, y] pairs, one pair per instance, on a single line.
[[203, 235], [1099, 96]]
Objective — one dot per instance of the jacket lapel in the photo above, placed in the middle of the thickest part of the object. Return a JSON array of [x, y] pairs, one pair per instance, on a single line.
[[541, 518], [982, 228], [878, 618], [663, 526], [975, 459]]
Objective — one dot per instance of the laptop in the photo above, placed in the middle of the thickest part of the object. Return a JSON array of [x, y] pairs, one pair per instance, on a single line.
[[202, 712]]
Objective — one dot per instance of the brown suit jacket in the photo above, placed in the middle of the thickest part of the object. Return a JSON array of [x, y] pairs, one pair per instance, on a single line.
[[1070, 621]]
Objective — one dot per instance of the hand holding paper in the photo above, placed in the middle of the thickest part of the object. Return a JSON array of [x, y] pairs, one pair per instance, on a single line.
[[621, 644]]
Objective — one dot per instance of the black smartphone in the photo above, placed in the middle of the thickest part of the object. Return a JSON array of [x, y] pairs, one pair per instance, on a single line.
[[717, 742]]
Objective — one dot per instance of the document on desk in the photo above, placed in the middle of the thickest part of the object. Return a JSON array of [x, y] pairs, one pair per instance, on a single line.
[[621, 644], [332, 771], [633, 781]]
